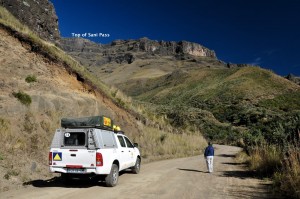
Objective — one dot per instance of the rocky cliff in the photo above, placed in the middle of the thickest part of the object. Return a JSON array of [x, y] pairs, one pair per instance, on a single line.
[[80, 45], [127, 51], [38, 15], [163, 48]]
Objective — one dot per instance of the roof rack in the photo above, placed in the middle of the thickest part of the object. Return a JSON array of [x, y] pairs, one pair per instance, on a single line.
[[85, 127], [88, 122]]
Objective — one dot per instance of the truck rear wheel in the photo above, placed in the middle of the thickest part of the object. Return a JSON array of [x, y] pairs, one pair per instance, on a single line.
[[137, 166], [111, 179]]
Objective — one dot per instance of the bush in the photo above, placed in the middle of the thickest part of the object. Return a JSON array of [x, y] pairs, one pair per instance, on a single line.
[[30, 78], [23, 98]]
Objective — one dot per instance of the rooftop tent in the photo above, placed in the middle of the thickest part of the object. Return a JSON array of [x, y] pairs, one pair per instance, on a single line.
[[93, 121]]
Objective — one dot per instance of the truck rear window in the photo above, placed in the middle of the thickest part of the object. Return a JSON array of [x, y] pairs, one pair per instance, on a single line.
[[74, 139]]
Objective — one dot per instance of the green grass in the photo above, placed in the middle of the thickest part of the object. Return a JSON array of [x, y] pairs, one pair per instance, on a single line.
[[285, 102], [243, 104], [217, 85]]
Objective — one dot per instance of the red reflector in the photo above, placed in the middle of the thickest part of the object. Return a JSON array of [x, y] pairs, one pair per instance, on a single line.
[[74, 166], [99, 160], [50, 158]]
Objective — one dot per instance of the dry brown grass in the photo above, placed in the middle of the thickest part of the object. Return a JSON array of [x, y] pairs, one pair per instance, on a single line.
[[288, 180], [156, 144], [266, 159], [282, 167], [242, 157], [23, 146]]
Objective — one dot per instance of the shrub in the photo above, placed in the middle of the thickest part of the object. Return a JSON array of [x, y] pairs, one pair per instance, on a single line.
[[22, 97], [30, 78]]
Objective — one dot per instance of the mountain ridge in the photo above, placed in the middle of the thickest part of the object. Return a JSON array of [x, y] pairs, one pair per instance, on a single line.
[[127, 51], [147, 45]]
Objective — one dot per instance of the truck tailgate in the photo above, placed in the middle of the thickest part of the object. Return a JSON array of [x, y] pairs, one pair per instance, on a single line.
[[74, 158]]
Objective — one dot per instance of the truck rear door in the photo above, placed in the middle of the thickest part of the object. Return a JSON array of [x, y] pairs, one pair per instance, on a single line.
[[74, 153]]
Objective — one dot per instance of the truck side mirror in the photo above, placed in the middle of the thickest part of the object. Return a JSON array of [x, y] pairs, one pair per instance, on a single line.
[[136, 145]]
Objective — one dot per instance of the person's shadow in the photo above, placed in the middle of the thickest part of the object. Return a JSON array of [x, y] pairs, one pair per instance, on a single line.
[[193, 170]]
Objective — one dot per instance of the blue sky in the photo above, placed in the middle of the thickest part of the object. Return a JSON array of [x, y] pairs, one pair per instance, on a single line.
[[260, 32]]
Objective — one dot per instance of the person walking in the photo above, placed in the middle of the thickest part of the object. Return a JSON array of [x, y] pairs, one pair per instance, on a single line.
[[209, 156]]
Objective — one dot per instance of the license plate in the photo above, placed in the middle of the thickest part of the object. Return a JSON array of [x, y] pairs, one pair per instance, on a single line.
[[75, 170]]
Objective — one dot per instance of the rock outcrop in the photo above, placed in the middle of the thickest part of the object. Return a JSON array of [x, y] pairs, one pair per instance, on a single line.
[[38, 15], [164, 48], [80, 45], [127, 51], [232, 65], [293, 78]]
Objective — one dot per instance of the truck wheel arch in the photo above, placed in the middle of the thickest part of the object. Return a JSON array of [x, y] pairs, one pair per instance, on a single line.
[[116, 162]]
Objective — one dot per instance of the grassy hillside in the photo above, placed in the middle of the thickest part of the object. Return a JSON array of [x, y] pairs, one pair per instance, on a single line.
[[40, 84], [237, 101]]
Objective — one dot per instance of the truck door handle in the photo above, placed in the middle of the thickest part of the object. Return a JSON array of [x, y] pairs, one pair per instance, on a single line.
[[122, 151], [73, 155]]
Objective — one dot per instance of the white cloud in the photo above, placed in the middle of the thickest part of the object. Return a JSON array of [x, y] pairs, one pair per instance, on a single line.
[[256, 62]]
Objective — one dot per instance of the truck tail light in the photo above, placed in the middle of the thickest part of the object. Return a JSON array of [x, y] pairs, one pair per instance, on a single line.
[[99, 160], [50, 158]]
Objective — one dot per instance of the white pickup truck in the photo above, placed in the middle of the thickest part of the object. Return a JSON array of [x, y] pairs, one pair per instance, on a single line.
[[89, 147]]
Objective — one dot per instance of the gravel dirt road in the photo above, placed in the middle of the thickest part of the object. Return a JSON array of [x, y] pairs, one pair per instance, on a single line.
[[178, 178]]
